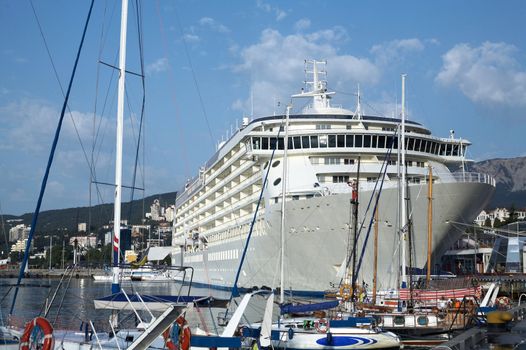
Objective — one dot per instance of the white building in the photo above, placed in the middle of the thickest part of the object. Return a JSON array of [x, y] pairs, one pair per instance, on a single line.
[[19, 246], [501, 214], [169, 213], [155, 210], [82, 227], [84, 241], [19, 232]]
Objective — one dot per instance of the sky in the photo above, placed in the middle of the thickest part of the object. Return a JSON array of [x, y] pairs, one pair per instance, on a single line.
[[207, 64]]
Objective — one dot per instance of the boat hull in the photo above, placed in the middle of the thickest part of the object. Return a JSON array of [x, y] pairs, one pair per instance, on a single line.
[[318, 237]]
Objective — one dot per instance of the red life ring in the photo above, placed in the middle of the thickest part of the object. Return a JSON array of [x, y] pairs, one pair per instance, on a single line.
[[321, 325], [184, 336], [45, 326]]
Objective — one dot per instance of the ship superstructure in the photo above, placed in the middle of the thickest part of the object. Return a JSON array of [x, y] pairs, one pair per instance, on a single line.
[[215, 211]]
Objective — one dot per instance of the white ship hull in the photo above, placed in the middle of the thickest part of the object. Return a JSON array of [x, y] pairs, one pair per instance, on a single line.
[[318, 235]]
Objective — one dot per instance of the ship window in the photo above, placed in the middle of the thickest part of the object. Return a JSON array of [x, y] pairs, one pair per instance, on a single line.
[[275, 164], [255, 142], [332, 160], [374, 140], [399, 320], [341, 140], [273, 142], [332, 140], [463, 149], [264, 143], [366, 140], [441, 149], [428, 146], [289, 143], [265, 166], [448, 149], [435, 147], [314, 141], [348, 161], [297, 142], [417, 144], [305, 142], [389, 141], [349, 140], [395, 142], [323, 141], [381, 141], [323, 126], [410, 144], [277, 181], [295, 198], [358, 140], [340, 179], [281, 143], [423, 146], [455, 150]]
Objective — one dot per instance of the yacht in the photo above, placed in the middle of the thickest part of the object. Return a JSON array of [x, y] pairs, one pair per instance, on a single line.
[[329, 148]]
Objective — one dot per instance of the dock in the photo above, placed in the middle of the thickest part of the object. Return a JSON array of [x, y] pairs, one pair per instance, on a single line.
[[481, 337]]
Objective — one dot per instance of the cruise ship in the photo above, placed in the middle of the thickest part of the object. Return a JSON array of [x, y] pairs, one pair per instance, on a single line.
[[328, 146]]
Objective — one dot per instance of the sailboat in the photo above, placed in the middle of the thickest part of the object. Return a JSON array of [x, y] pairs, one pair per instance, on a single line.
[[157, 332]]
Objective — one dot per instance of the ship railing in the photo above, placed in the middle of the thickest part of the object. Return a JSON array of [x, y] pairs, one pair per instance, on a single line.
[[467, 177], [457, 177]]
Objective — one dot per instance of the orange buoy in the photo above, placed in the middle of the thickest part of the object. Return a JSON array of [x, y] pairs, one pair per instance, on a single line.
[[45, 326]]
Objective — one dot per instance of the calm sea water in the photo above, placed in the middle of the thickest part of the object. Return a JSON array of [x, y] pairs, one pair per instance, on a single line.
[[74, 305]]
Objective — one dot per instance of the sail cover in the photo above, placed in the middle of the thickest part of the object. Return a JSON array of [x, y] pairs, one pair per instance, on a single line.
[[290, 308]]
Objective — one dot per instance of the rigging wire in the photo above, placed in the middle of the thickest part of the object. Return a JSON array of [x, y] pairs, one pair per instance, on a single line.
[[171, 77], [50, 161], [194, 78], [60, 85]]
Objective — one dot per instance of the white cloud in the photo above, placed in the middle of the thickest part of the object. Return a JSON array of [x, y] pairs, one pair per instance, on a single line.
[[486, 74], [302, 24], [191, 38], [278, 13], [160, 65], [276, 65], [214, 25], [395, 50]]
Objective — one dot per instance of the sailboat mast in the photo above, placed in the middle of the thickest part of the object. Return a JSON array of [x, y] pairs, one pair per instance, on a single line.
[[283, 197], [375, 267], [403, 188], [429, 223], [115, 288]]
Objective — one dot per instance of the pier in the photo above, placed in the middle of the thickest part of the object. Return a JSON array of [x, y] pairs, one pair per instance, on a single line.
[[46, 273], [512, 334]]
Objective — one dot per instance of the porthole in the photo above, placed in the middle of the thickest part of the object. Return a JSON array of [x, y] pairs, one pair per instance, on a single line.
[[399, 320], [422, 321], [275, 164], [277, 181], [265, 166]]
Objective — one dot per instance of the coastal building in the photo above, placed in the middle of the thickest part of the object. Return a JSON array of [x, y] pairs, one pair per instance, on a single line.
[[83, 241], [19, 232], [497, 250], [155, 210], [19, 246], [500, 214], [82, 227]]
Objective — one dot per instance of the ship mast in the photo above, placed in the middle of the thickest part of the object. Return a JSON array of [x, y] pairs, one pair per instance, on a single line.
[[115, 287], [403, 223], [283, 198]]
